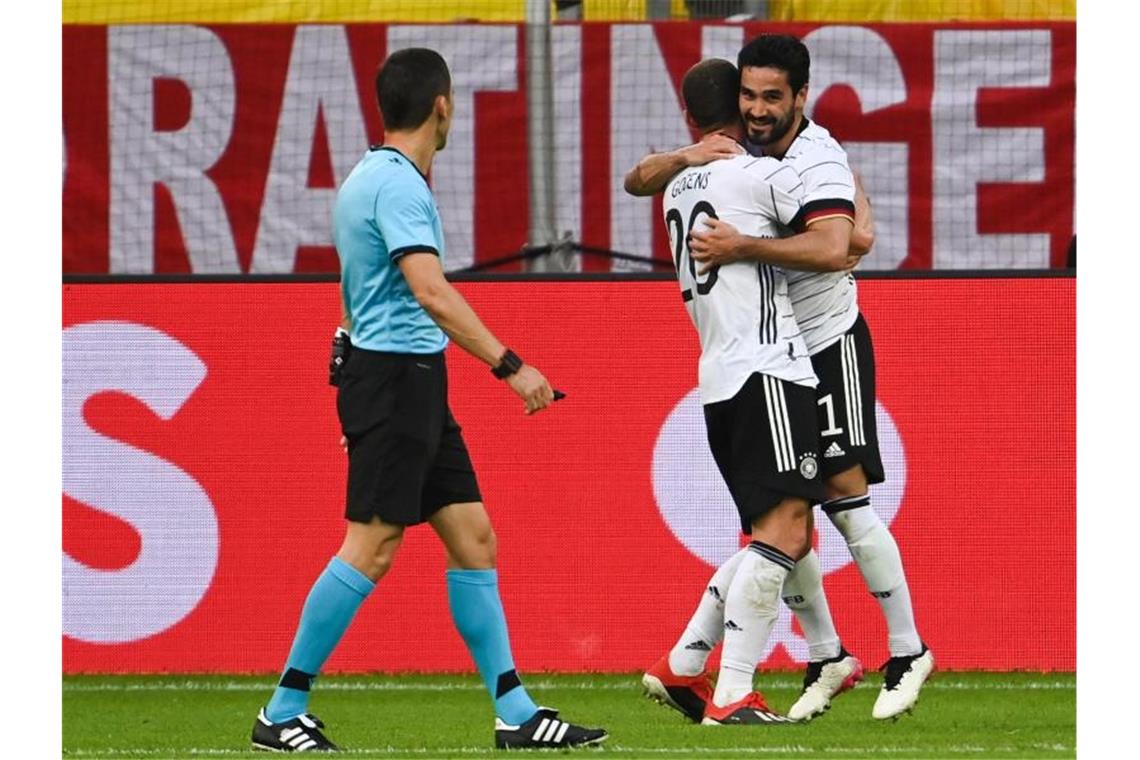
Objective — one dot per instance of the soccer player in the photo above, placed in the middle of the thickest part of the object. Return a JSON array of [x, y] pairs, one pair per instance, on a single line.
[[774, 72], [757, 390], [408, 463]]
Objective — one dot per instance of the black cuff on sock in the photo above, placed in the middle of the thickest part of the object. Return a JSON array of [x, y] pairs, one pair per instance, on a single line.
[[773, 554], [847, 502], [507, 681], [297, 679]]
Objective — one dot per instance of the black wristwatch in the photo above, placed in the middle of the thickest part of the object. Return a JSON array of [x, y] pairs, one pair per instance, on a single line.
[[508, 365]]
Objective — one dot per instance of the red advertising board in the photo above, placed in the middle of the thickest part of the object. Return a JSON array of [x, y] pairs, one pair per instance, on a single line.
[[217, 149], [203, 483]]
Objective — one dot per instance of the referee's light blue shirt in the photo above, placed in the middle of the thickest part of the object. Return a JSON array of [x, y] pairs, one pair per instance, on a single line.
[[385, 210]]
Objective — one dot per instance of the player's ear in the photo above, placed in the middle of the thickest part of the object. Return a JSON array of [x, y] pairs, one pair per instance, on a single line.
[[689, 119], [801, 97]]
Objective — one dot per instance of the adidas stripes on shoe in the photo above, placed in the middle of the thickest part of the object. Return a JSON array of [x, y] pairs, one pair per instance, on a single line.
[[300, 734], [752, 709], [545, 730]]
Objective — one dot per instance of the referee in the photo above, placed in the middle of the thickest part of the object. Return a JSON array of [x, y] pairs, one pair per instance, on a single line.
[[407, 460]]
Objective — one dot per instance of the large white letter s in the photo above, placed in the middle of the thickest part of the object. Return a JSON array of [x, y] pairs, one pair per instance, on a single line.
[[168, 508]]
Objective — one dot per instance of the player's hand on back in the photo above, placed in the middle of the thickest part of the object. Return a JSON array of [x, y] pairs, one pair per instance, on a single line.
[[712, 147], [532, 388], [715, 244], [853, 260]]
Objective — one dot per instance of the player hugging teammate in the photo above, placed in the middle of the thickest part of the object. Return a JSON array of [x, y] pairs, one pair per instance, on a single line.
[[763, 245]]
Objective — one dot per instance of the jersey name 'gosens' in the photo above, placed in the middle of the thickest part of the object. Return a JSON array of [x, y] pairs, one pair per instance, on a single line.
[[741, 311]]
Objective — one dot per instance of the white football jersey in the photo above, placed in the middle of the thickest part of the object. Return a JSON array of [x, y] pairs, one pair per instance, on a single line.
[[741, 311], [824, 302]]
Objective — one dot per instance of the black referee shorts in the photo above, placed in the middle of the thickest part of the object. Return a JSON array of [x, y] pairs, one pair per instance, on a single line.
[[406, 456]]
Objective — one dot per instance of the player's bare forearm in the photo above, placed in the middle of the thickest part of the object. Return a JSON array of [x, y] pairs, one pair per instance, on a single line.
[[820, 248], [811, 251], [653, 173]]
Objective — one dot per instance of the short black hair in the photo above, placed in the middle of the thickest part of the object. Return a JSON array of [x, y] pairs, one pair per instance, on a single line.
[[779, 51], [407, 85], [710, 90]]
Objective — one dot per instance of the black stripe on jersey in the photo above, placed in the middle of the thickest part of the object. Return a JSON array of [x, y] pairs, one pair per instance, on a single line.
[[810, 322], [821, 205], [775, 208], [771, 314], [813, 294], [782, 168], [767, 310], [805, 170], [399, 253], [791, 336], [796, 277], [687, 295]]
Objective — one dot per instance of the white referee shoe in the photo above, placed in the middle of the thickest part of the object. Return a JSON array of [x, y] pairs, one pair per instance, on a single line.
[[902, 683], [823, 681]]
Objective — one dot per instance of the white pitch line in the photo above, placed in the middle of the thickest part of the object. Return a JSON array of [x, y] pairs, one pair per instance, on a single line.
[[389, 685], [788, 749]]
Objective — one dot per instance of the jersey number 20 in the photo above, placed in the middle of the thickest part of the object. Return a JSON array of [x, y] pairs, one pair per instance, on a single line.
[[680, 236]]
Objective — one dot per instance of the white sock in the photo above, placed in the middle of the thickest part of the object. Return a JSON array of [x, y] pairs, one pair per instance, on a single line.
[[877, 556], [705, 629], [803, 593], [749, 613]]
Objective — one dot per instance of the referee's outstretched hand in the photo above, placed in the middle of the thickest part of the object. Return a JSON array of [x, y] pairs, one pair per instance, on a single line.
[[532, 388]]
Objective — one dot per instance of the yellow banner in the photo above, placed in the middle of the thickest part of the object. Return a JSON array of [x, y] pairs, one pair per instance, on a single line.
[[287, 11], [418, 11], [922, 10]]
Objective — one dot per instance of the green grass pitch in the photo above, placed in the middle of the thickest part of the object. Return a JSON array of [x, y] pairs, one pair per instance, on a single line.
[[415, 716]]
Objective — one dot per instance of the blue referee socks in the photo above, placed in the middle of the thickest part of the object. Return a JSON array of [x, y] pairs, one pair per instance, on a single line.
[[478, 614], [332, 603]]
